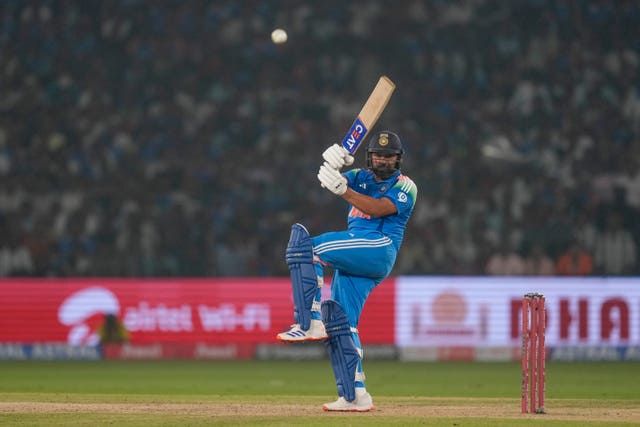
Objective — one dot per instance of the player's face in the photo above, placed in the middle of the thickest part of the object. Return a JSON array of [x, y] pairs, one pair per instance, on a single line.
[[384, 159], [383, 164]]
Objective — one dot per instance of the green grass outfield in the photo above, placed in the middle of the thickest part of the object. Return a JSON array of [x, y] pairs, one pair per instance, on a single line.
[[287, 393]]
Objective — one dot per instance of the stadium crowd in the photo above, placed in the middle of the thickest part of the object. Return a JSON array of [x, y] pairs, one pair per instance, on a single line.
[[169, 138]]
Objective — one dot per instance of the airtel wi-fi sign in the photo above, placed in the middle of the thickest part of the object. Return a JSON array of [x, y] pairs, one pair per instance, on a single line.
[[190, 310], [83, 312], [211, 311]]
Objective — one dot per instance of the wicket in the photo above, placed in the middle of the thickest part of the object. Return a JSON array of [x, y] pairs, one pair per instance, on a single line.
[[533, 353]]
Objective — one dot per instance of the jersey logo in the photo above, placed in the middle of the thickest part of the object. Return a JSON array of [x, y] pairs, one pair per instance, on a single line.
[[357, 213], [402, 197]]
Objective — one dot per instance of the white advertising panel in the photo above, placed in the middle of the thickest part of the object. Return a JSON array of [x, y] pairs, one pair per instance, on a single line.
[[486, 311]]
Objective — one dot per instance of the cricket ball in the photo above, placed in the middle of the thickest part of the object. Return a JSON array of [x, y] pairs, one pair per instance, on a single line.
[[279, 36]]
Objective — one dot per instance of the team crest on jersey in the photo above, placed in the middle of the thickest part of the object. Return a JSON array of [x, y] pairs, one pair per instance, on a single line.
[[383, 140], [402, 197]]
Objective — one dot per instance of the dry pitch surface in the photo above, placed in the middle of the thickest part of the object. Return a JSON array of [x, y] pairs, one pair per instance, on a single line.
[[570, 410]]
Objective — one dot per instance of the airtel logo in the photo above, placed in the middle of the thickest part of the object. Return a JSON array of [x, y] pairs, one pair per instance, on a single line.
[[83, 310]]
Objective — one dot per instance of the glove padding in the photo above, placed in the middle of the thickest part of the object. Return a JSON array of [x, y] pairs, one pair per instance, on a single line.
[[332, 179], [337, 156]]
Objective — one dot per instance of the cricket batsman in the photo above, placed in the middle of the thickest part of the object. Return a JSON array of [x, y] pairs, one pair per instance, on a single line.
[[381, 200]]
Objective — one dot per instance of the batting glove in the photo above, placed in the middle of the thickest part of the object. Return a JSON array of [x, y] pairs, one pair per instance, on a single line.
[[337, 156], [332, 180]]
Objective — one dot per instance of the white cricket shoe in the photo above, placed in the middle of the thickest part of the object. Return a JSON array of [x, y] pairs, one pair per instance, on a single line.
[[362, 403], [316, 332]]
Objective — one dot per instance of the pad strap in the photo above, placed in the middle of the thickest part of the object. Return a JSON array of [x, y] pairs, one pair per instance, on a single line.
[[343, 352]]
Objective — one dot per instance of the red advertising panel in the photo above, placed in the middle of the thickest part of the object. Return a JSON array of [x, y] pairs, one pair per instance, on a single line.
[[214, 311], [377, 322]]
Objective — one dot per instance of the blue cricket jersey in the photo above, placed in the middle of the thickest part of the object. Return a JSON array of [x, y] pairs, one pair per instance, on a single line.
[[399, 188]]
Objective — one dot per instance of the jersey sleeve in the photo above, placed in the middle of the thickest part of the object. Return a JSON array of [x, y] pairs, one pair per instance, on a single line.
[[403, 194], [351, 176]]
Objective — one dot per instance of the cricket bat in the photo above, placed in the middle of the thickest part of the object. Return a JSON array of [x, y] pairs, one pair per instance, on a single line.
[[371, 111]]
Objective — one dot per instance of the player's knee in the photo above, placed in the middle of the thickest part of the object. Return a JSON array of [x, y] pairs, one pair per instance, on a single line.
[[300, 247], [335, 319]]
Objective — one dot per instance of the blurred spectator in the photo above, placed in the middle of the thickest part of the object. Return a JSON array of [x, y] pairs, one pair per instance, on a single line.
[[15, 258], [575, 261], [505, 262], [615, 251], [112, 330], [538, 263], [164, 139]]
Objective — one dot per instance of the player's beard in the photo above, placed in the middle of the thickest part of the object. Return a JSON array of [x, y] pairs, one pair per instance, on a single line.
[[384, 171]]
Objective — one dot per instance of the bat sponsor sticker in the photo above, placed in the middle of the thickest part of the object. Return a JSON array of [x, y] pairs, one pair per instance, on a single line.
[[355, 136]]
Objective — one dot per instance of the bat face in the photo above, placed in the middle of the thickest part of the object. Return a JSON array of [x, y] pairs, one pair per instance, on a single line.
[[371, 111]]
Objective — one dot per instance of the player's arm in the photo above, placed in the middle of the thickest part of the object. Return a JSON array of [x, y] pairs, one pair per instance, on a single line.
[[369, 205], [335, 182]]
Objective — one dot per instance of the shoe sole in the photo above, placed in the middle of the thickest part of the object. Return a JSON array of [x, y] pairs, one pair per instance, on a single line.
[[300, 340], [324, 408]]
